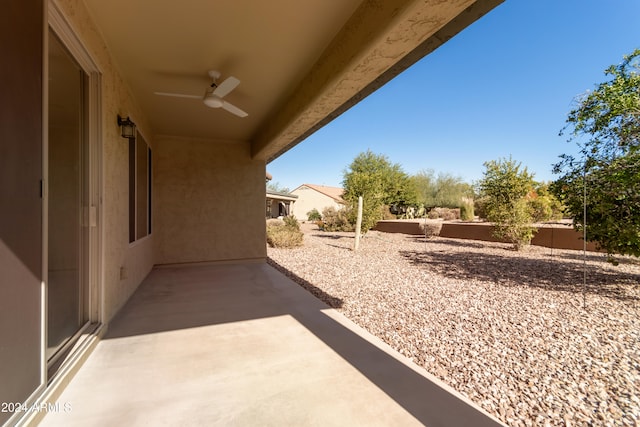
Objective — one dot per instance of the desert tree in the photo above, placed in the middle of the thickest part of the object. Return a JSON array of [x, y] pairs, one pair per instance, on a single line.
[[601, 184], [380, 183], [444, 190], [505, 188]]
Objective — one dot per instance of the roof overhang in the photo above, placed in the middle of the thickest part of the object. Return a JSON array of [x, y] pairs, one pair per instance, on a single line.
[[281, 196], [379, 41], [300, 64]]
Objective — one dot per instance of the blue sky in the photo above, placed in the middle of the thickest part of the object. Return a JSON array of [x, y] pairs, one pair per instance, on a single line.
[[500, 88]]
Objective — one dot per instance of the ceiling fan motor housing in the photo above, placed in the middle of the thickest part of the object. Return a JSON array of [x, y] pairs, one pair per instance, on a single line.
[[212, 101]]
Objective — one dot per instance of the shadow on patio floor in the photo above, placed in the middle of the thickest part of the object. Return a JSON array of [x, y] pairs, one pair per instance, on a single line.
[[242, 344]]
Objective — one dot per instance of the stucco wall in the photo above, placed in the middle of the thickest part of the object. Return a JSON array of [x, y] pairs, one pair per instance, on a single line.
[[209, 199], [309, 199], [135, 260], [550, 236]]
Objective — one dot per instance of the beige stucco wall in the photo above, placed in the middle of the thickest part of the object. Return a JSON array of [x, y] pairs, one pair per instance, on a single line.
[[309, 199], [209, 199], [135, 260]]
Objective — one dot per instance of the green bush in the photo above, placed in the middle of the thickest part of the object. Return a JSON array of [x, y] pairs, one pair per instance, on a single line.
[[314, 215], [507, 187], [544, 205], [284, 233], [336, 220], [512, 223], [605, 124], [540, 210], [291, 222], [379, 182], [444, 190], [480, 207], [466, 210]]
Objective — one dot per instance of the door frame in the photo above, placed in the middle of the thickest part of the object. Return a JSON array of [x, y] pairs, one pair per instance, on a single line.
[[50, 388], [93, 213]]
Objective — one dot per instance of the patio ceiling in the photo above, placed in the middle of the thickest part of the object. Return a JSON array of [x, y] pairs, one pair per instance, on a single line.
[[300, 63]]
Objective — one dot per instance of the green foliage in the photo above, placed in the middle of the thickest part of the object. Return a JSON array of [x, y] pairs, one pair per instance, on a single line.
[[314, 215], [277, 188], [336, 220], [380, 183], [445, 190], [466, 210], [610, 115], [612, 202], [606, 126], [544, 205], [284, 233], [291, 222], [506, 185], [480, 206]]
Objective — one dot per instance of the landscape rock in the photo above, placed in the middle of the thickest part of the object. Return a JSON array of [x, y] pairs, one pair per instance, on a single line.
[[519, 333]]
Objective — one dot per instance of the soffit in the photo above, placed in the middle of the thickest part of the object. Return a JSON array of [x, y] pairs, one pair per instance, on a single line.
[[168, 46], [300, 63]]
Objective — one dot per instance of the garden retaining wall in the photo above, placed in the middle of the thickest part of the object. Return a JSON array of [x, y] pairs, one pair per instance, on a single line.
[[559, 236]]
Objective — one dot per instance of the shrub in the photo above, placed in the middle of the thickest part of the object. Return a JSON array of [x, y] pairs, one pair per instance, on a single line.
[[480, 207], [274, 222], [291, 222], [430, 229], [540, 210], [314, 215], [466, 210], [544, 205], [336, 220], [284, 233], [507, 185], [513, 224], [447, 214], [444, 190]]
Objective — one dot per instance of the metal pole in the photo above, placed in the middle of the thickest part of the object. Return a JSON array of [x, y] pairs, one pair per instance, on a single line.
[[584, 238]]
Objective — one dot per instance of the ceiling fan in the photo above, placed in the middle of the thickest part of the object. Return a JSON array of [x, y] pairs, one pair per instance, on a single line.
[[215, 93]]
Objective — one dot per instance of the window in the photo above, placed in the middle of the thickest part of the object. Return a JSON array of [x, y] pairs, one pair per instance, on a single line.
[[139, 188]]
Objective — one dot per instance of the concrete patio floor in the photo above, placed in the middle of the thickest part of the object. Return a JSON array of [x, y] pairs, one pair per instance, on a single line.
[[243, 345]]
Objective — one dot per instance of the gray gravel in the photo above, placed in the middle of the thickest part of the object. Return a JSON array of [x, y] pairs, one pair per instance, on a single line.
[[507, 329]]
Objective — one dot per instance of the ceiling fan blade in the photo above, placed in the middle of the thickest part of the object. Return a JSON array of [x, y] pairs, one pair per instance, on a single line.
[[178, 95], [233, 109], [226, 86]]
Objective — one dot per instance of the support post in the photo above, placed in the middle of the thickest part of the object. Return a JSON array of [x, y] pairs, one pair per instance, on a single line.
[[356, 243]]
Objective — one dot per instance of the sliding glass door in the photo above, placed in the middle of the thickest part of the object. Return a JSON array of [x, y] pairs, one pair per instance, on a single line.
[[67, 200]]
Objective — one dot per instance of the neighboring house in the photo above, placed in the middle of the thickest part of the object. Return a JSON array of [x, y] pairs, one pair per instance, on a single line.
[[279, 204], [319, 197], [90, 205]]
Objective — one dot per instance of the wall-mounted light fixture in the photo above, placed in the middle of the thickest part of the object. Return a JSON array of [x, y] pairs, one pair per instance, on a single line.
[[127, 127]]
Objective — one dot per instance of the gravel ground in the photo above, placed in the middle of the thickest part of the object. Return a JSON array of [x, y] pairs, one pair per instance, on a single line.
[[507, 329]]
